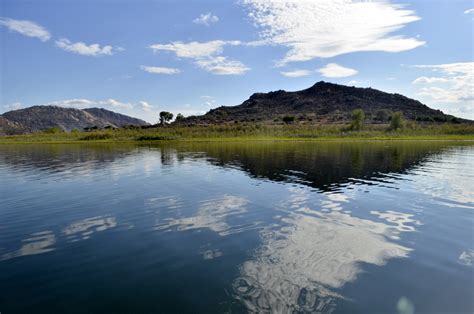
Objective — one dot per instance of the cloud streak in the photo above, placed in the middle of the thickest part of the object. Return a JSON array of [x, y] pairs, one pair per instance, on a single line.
[[296, 73], [93, 50], [159, 70], [26, 28], [206, 55]]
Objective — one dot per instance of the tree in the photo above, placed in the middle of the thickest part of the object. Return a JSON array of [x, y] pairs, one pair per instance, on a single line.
[[358, 117], [179, 116], [397, 121], [381, 115], [288, 119], [165, 116]]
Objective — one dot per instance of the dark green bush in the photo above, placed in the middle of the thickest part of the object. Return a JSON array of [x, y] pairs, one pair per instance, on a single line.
[[154, 138], [288, 119], [96, 136]]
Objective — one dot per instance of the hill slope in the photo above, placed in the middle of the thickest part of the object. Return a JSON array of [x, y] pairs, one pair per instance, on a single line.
[[43, 117], [324, 103]]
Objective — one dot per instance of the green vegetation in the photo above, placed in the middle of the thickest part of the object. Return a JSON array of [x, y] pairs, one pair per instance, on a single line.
[[397, 121], [54, 130], [179, 117], [358, 117], [96, 136], [288, 119], [255, 131]]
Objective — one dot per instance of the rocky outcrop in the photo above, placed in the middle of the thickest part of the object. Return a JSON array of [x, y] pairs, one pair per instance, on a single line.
[[323, 103]]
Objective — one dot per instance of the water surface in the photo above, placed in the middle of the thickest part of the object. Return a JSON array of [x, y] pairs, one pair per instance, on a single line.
[[237, 227]]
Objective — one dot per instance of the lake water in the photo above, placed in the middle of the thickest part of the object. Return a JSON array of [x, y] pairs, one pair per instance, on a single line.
[[237, 227]]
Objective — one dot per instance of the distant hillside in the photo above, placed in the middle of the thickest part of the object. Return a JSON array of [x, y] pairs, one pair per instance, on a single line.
[[38, 118], [322, 103], [9, 127]]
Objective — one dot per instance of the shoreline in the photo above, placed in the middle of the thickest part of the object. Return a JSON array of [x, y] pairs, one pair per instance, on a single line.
[[424, 138]]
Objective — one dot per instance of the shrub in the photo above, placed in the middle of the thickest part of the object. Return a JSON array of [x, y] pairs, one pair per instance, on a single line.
[[440, 119], [154, 138], [358, 117], [381, 115], [288, 119], [96, 136], [397, 121], [455, 120], [53, 130]]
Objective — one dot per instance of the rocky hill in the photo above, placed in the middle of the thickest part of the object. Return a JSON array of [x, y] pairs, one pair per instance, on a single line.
[[38, 118], [321, 103]]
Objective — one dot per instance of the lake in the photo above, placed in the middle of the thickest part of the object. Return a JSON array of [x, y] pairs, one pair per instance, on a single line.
[[282, 227]]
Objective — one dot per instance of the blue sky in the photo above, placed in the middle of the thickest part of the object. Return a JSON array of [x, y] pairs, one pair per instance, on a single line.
[[142, 57]]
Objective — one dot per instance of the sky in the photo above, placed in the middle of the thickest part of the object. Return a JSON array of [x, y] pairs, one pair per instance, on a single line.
[[142, 57]]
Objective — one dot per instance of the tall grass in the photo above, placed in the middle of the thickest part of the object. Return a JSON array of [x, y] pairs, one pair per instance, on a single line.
[[253, 131]]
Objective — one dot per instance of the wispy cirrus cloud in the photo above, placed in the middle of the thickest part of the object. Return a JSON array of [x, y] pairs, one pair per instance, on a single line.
[[327, 28], [206, 19], [26, 28], [92, 50], [206, 55], [160, 70], [452, 87], [334, 70], [469, 11]]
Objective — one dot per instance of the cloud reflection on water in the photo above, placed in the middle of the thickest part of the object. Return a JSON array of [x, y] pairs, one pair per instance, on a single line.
[[83, 229], [39, 242], [44, 241], [212, 214], [310, 254]]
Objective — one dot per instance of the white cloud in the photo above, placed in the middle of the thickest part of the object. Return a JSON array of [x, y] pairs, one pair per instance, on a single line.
[[429, 80], [81, 103], [222, 66], [469, 11], [115, 104], [14, 106], [327, 28], [206, 55], [452, 88], [26, 28], [296, 73], [145, 106], [81, 48], [159, 70], [334, 70], [206, 19], [195, 49]]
